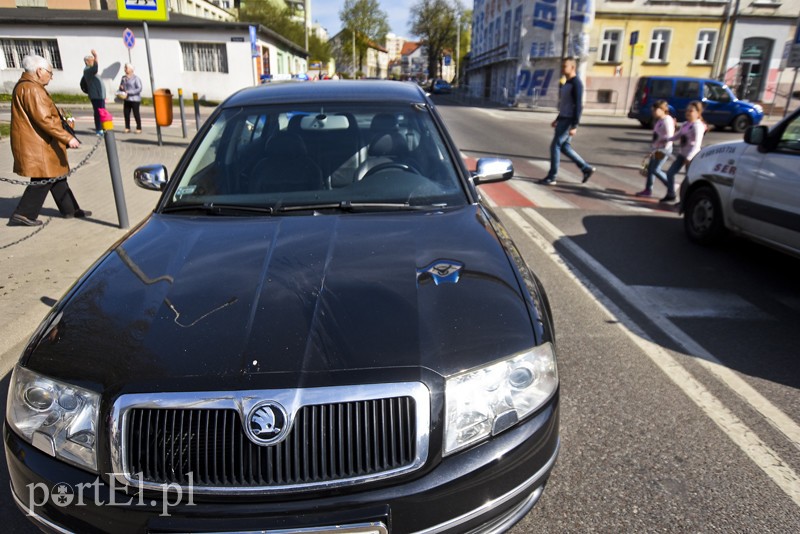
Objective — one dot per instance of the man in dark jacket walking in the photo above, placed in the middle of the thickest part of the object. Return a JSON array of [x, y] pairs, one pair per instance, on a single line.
[[570, 106], [97, 91], [38, 143]]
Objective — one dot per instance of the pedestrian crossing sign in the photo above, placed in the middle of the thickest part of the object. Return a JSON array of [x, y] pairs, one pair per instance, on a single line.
[[142, 10]]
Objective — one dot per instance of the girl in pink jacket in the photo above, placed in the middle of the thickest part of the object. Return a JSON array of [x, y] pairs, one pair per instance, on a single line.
[[663, 131], [691, 138]]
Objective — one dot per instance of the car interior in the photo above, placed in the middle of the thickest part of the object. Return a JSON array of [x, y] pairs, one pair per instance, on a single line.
[[279, 155]]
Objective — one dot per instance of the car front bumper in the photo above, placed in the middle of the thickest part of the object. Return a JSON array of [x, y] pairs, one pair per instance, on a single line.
[[486, 488]]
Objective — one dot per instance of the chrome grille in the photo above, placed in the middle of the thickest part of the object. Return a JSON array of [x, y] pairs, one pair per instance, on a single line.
[[327, 443]]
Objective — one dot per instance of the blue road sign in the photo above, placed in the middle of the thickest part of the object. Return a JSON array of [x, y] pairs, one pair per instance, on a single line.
[[128, 38], [253, 42], [447, 59], [634, 37]]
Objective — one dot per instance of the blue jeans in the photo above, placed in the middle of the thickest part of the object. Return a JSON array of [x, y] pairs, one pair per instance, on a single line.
[[561, 143], [654, 170], [676, 166]]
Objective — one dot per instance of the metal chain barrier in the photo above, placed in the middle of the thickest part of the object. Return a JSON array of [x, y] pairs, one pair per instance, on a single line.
[[49, 181], [18, 241]]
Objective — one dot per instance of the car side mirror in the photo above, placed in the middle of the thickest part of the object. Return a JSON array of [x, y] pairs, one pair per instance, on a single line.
[[755, 135], [153, 177], [490, 170]]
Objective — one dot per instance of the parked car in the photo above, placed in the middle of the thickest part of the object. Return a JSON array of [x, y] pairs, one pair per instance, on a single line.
[[441, 87], [721, 107], [320, 328], [751, 188]]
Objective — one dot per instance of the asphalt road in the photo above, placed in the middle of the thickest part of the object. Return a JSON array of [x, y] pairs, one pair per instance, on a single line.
[[678, 363]]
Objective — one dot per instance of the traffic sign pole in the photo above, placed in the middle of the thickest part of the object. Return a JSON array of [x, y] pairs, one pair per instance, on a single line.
[[129, 40], [152, 81]]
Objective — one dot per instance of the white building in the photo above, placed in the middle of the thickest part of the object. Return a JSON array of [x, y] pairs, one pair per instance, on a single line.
[[394, 46], [208, 57]]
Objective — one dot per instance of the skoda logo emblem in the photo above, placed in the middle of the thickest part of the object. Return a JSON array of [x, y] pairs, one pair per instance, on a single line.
[[267, 423]]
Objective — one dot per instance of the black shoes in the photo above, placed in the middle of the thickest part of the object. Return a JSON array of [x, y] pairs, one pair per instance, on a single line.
[[669, 198], [587, 173], [21, 220], [550, 180], [79, 214]]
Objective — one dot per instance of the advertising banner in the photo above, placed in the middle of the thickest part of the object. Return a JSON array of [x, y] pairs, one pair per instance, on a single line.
[[542, 44]]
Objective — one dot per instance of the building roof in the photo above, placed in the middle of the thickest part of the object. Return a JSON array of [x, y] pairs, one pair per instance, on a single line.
[[80, 17], [409, 47]]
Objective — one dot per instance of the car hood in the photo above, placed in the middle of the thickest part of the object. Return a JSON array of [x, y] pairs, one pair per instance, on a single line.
[[222, 298]]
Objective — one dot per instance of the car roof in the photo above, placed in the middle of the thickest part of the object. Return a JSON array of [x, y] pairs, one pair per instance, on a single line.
[[328, 91], [680, 78]]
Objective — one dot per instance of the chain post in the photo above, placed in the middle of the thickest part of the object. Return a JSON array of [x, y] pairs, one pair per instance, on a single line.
[[116, 175]]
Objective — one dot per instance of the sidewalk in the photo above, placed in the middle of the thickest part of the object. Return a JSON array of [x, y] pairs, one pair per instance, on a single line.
[[39, 264]]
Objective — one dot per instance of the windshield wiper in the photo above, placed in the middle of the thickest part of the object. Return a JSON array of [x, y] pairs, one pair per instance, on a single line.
[[346, 205], [214, 208]]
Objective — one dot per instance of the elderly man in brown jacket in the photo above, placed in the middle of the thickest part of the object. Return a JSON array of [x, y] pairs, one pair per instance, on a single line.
[[38, 143]]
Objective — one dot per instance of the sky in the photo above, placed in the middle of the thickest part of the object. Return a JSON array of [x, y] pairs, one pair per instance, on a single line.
[[326, 12]]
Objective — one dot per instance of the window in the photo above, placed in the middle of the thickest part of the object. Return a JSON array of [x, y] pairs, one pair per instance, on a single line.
[[662, 89], [687, 89], [16, 49], [204, 57], [609, 47], [706, 42], [716, 93], [517, 30], [659, 45], [790, 138]]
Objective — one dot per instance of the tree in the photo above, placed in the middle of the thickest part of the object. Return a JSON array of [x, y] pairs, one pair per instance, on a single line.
[[277, 18], [434, 21], [367, 20]]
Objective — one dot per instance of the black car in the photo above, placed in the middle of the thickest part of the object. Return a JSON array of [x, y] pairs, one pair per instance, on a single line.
[[320, 328]]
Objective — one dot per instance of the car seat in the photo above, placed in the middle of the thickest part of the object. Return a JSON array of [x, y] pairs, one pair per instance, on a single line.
[[286, 166]]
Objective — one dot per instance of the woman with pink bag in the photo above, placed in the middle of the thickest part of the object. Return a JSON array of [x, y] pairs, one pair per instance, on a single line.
[[663, 130]]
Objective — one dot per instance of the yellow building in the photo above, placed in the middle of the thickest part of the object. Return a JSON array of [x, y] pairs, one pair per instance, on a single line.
[[672, 39]]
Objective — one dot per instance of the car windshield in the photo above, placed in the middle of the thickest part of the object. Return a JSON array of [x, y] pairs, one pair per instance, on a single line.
[[286, 158]]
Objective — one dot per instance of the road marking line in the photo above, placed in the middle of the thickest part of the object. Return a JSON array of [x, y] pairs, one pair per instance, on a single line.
[[758, 451], [541, 195]]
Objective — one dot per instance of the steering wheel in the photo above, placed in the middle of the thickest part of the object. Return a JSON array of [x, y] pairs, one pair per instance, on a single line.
[[391, 165]]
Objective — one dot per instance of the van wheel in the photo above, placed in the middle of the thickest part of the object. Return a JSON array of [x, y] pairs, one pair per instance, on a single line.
[[740, 123], [645, 124], [702, 217]]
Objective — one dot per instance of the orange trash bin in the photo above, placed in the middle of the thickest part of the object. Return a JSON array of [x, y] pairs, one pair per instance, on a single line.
[[162, 100]]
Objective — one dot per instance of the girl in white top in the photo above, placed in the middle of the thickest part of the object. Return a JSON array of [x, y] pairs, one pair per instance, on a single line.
[[691, 138], [661, 147]]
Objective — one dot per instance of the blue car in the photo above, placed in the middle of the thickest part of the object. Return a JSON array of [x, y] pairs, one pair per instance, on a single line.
[[441, 87], [721, 107]]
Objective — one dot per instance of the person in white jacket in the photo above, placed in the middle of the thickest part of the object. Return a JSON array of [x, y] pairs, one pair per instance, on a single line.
[[691, 138], [663, 130]]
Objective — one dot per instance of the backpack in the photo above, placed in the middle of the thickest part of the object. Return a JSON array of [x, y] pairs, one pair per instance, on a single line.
[[84, 85]]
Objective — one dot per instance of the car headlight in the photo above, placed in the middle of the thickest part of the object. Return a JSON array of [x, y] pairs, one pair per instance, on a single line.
[[759, 108], [55, 417], [485, 401]]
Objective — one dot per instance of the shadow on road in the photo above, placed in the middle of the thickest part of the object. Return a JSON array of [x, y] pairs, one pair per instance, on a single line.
[[653, 252]]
